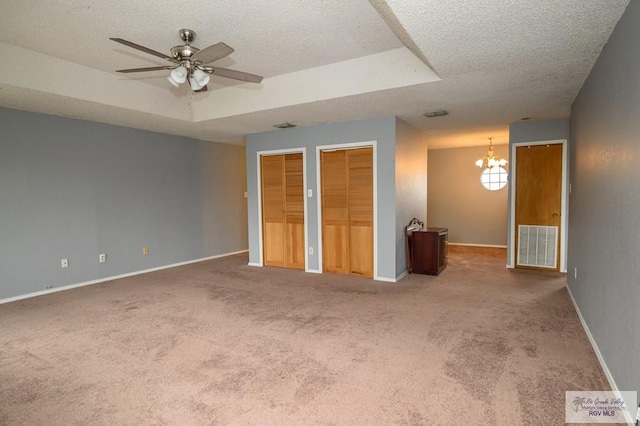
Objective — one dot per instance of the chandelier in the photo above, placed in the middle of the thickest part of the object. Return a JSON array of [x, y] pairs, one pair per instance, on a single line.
[[491, 160]]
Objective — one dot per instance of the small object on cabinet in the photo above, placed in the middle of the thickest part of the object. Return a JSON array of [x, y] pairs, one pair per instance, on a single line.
[[414, 225]]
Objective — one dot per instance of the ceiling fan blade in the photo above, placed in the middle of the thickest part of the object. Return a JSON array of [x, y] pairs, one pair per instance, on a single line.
[[146, 69], [212, 53], [142, 48], [236, 75]]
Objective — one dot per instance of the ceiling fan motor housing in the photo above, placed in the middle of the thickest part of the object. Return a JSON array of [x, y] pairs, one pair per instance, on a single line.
[[183, 52]]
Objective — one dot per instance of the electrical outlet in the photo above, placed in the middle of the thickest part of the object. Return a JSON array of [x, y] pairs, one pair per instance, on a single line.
[[310, 250], [64, 263], [575, 273], [48, 287], [309, 193], [102, 258], [145, 250]]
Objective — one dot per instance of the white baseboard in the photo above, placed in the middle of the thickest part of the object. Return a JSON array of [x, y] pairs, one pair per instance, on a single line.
[[114, 277], [316, 271], [594, 345], [260, 265], [476, 245]]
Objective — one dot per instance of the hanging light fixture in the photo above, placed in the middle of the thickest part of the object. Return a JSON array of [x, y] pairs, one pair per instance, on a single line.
[[491, 160]]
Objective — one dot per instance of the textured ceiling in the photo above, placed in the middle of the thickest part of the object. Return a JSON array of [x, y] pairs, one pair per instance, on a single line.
[[488, 62]]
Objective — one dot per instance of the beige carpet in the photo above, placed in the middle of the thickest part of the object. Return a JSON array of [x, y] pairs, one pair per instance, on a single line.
[[220, 342]]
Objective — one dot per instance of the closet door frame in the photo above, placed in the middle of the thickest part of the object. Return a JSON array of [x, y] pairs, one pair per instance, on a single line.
[[259, 156], [338, 147]]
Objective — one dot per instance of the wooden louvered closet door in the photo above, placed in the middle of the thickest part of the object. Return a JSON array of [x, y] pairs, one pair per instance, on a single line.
[[335, 212], [294, 212], [347, 211], [283, 210], [361, 211]]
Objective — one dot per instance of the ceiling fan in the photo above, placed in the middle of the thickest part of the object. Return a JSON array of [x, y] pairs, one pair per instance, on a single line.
[[190, 63]]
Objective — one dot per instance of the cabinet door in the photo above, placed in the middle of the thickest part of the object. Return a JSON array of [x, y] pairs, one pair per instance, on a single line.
[[425, 253]]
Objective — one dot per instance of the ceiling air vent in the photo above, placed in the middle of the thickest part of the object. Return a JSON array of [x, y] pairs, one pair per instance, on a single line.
[[439, 113], [284, 125]]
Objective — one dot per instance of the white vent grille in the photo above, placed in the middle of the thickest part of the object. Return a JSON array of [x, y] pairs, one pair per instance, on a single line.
[[537, 246]]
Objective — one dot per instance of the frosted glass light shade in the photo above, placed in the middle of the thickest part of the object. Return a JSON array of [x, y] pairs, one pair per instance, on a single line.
[[178, 76], [199, 79]]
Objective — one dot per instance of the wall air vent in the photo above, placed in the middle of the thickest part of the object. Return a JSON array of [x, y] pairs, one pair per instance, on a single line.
[[537, 246]]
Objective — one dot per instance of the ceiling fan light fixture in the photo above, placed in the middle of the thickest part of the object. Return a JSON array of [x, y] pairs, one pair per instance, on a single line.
[[178, 76], [195, 86], [189, 62], [201, 77]]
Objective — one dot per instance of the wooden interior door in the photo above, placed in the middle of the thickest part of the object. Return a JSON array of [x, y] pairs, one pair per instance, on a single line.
[[283, 211], [538, 206], [347, 211]]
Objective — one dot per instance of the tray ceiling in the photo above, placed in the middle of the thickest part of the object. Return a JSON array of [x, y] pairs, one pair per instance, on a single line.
[[488, 62]]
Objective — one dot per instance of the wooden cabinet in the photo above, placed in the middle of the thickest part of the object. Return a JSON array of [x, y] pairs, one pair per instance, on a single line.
[[429, 251]]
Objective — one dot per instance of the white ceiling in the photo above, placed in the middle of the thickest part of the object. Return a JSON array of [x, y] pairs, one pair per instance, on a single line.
[[488, 62]]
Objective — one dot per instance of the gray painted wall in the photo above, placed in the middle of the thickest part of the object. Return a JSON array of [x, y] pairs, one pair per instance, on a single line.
[[458, 201], [535, 132], [381, 130], [411, 184], [74, 189], [539, 131], [604, 231]]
